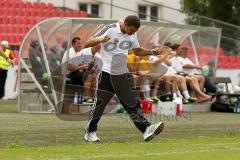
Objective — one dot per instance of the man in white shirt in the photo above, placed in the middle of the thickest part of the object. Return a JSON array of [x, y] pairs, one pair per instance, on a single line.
[[191, 68], [77, 64], [115, 40], [74, 66], [191, 80], [172, 79]]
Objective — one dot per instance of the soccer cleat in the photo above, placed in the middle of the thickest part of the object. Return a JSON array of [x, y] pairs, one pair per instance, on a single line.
[[88, 101], [152, 131], [155, 99], [148, 99], [185, 101], [91, 137], [191, 100]]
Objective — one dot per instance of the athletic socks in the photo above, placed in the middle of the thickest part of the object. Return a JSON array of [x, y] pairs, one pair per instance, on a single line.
[[179, 94], [186, 94]]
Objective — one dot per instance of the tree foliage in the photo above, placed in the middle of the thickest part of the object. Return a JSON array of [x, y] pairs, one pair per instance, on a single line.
[[224, 10]]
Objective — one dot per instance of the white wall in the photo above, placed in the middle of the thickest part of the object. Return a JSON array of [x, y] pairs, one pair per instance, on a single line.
[[11, 87], [169, 14], [131, 5], [232, 73]]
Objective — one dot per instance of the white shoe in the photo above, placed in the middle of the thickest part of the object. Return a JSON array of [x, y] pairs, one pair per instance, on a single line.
[[152, 131], [91, 137], [5, 98]]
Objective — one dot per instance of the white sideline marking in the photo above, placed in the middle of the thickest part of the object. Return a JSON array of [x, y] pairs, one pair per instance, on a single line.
[[117, 155]]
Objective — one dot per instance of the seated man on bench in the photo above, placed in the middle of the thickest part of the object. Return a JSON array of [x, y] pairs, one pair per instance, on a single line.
[[76, 68]]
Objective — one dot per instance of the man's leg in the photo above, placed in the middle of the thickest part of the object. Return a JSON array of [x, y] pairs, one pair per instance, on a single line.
[[77, 78], [126, 91], [91, 78], [103, 96], [209, 86], [201, 81], [3, 77], [129, 96]]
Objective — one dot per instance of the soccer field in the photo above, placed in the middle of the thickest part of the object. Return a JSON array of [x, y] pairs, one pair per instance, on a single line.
[[45, 136], [201, 148]]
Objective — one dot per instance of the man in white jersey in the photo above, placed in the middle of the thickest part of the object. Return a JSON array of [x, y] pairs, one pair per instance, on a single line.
[[115, 40]]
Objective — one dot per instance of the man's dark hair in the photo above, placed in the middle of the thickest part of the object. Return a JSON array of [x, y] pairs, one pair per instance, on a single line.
[[65, 45], [34, 43], [175, 46], [168, 44], [132, 21], [75, 39]]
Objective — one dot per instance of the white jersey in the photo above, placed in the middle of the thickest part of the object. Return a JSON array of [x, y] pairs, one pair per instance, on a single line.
[[72, 54], [177, 63], [82, 57], [114, 52], [170, 70], [189, 71]]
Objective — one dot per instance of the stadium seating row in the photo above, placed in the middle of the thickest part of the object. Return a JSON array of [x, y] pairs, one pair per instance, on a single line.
[[25, 13], [28, 5], [17, 17]]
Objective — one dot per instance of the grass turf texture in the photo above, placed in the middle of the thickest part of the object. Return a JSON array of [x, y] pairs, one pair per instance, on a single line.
[[44, 136]]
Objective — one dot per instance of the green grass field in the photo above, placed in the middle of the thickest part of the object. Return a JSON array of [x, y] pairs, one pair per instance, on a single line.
[[44, 136]]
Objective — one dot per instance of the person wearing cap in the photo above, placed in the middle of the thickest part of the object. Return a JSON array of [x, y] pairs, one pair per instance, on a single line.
[[6, 59]]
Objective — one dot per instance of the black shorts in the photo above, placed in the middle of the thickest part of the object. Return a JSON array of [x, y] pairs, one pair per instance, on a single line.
[[77, 77]]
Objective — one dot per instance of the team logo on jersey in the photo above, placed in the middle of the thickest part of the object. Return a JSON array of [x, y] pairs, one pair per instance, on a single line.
[[110, 46], [115, 41]]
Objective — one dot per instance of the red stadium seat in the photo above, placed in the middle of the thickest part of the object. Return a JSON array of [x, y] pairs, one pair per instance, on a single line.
[[42, 13], [25, 29], [53, 13], [12, 20], [18, 29], [5, 20], [14, 4], [83, 14], [226, 59], [5, 29], [233, 59], [12, 29], [20, 12], [21, 5], [29, 5], [33, 21], [43, 6], [25, 20], [36, 5], [7, 4], [62, 14], [12, 12], [221, 52], [50, 6], [2, 4], [18, 39], [221, 59], [34, 13]]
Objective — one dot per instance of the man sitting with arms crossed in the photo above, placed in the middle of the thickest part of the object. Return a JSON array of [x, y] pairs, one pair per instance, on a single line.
[[76, 68]]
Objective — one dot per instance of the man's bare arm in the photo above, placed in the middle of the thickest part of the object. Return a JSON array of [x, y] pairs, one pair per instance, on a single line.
[[191, 66], [2, 53], [95, 41], [164, 57], [73, 68], [144, 52]]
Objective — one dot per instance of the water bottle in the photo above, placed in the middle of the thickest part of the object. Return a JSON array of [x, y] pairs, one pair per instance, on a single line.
[[235, 107], [80, 98], [238, 106], [75, 100]]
